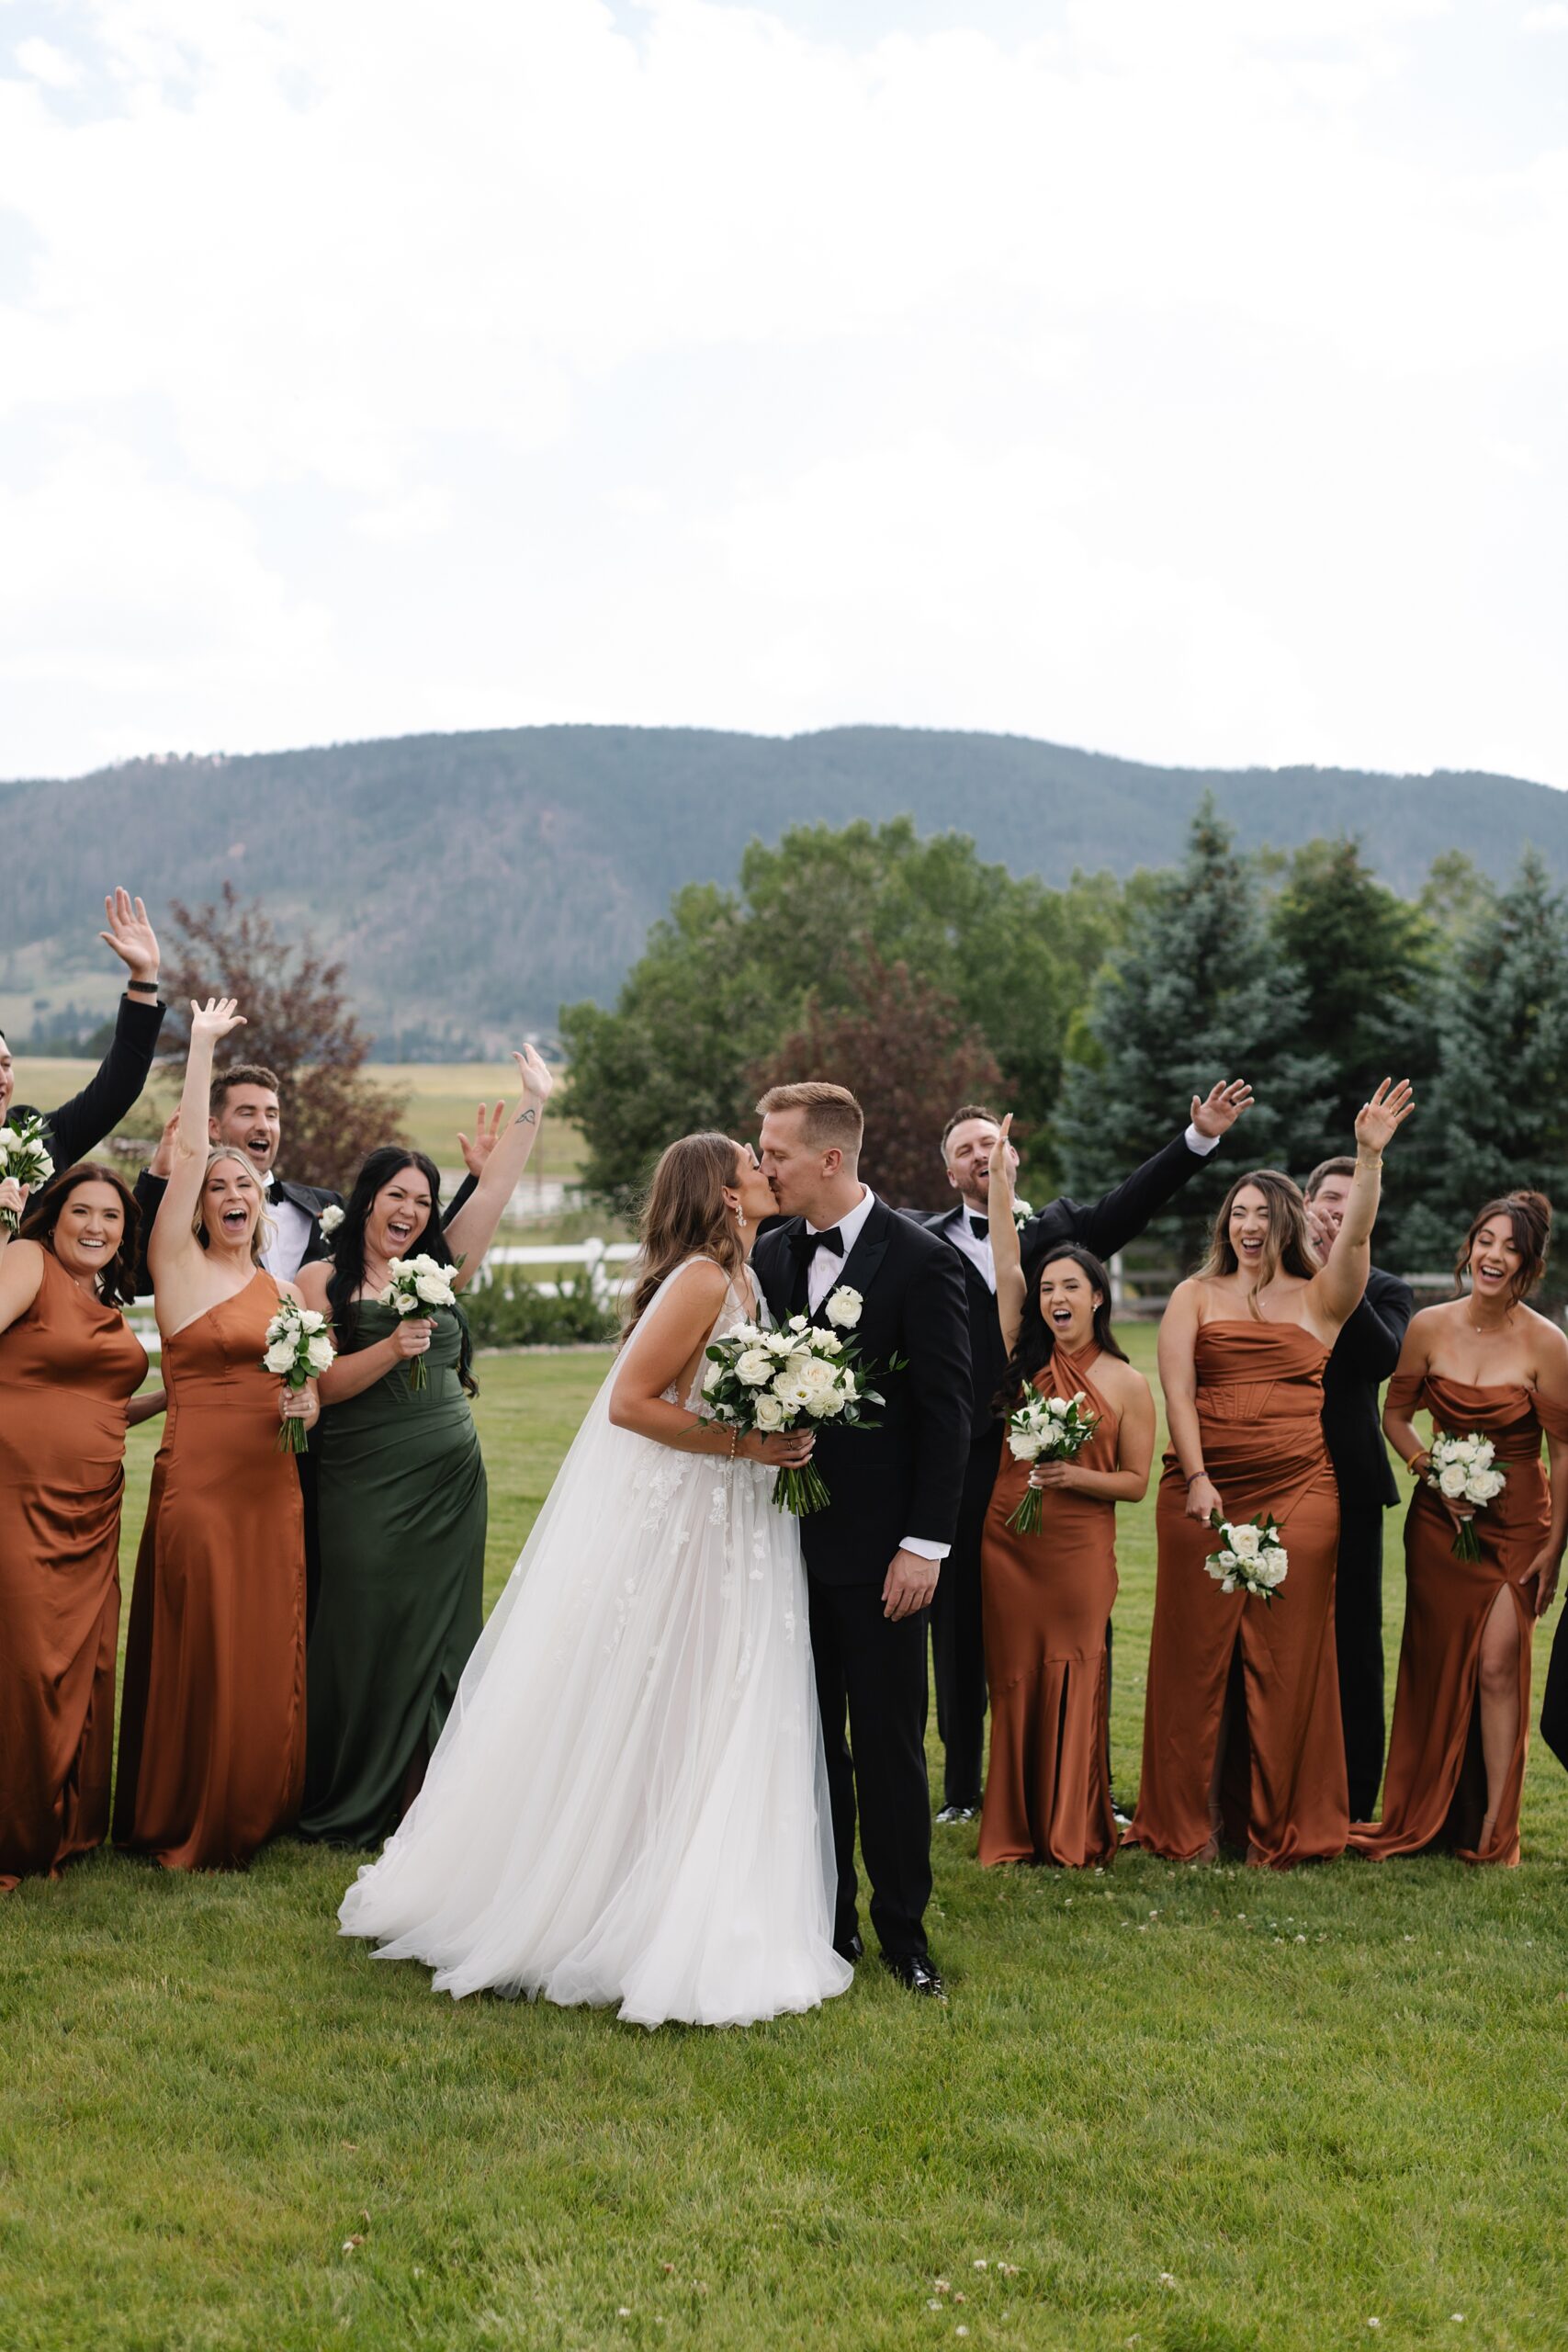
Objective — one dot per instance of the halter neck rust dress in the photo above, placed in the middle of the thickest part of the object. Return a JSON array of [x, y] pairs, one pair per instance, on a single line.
[[1046, 1600], [68, 1369], [1435, 1788], [212, 1719], [1259, 1413]]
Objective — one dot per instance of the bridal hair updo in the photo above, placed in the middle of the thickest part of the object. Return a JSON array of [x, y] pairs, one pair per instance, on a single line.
[[1287, 1249], [1529, 1215], [684, 1216], [117, 1279], [263, 1229]]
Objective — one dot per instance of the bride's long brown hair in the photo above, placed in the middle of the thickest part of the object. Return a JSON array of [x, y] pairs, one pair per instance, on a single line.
[[684, 1216]]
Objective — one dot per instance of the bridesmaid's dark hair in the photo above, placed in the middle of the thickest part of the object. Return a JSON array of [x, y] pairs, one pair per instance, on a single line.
[[1037, 1341], [1289, 1247], [684, 1216], [117, 1281], [1529, 1213], [348, 1275]]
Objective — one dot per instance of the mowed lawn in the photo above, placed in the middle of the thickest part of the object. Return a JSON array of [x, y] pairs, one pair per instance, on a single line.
[[1190, 2109]]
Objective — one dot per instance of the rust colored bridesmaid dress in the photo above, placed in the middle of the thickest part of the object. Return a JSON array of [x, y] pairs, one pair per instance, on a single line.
[[212, 1719], [1284, 1788], [1435, 1787], [1047, 1602], [68, 1369]]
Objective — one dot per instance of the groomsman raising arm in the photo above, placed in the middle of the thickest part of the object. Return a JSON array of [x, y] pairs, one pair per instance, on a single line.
[[1103, 1226], [80, 1126]]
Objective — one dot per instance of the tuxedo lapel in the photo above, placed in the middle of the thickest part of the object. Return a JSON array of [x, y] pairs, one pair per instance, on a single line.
[[859, 1271], [772, 1262]]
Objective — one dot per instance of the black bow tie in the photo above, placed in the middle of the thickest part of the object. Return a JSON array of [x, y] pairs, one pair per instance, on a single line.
[[806, 1244], [979, 1227]]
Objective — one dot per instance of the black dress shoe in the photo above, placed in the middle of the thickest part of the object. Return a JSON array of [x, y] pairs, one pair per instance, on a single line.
[[952, 1813], [851, 1948], [916, 1973]]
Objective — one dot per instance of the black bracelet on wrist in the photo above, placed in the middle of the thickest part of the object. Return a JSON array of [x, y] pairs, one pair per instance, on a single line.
[[141, 987]]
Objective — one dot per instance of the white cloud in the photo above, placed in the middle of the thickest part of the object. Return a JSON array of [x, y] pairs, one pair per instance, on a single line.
[[1150, 384], [1553, 18], [45, 63]]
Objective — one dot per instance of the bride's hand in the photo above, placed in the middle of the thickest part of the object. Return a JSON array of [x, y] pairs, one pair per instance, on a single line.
[[785, 1449]]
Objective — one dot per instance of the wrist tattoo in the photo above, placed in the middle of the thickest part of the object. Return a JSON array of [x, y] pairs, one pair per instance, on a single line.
[[529, 1115]]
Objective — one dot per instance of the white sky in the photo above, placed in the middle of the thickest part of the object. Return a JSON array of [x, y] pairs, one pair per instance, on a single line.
[[1181, 378]]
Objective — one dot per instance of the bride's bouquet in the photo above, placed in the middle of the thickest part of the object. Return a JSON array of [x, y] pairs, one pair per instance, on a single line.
[[1047, 1428], [1251, 1558], [297, 1350], [418, 1284], [769, 1380], [1460, 1469], [24, 1156]]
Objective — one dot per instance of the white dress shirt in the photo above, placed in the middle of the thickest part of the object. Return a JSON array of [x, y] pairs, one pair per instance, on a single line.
[[976, 1246], [291, 1233], [824, 1273]]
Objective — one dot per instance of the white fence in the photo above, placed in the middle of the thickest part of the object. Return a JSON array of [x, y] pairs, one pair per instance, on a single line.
[[594, 1257]]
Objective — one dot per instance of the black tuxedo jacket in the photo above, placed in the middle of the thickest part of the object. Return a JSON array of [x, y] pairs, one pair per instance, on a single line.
[[1103, 1226], [1364, 1356], [81, 1124], [904, 1477]]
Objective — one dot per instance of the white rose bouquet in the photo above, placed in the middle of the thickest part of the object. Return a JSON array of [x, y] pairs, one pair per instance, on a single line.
[[297, 1350], [769, 1380], [1047, 1428], [1251, 1557], [417, 1285], [1460, 1470], [24, 1157]]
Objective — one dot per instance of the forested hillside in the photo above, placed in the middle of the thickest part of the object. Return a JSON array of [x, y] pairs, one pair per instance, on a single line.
[[474, 883]]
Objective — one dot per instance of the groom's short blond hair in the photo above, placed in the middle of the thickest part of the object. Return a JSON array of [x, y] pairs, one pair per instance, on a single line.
[[833, 1121]]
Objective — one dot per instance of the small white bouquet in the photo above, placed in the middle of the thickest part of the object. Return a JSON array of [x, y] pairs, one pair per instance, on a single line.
[[769, 1381], [1460, 1470], [1047, 1428], [1251, 1558], [24, 1157], [297, 1350], [417, 1285]]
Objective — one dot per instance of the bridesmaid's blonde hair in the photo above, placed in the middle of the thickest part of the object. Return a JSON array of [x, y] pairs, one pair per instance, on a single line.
[[1287, 1249], [684, 1216], [263, 1228]]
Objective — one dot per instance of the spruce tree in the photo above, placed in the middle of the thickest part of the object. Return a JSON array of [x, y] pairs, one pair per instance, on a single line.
[[1198, 992]]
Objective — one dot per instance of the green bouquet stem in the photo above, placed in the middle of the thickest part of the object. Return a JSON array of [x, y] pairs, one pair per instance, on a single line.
[[801, 1490], [293, 1436], [1026, 1520], [419, 1375], [1466, 1546]]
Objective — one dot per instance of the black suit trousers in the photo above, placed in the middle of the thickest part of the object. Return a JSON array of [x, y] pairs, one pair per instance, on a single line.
[[958, 1640], [875, 1673], [1358, 1637]]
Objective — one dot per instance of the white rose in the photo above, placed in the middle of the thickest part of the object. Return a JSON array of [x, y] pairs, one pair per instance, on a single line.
[[1057, 1408], [320, 1354], [329, 1219], [713, 1378], [1485, 1486], [1024, 1446], [280, 1356], [797, 1323], [844, 1308], [822, 1404], [433, 1289], [821, 1378], [1227, 1584], [768, 1413], [1451, 1480], [755, 1367], [311, 1321], [1247, 1542]]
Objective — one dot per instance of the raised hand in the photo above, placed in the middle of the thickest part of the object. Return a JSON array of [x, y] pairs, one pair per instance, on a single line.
[[163, 1161], [1216, 1113], [477, 1149], [216, 1018], [1379, 1120], [538, 1085], [131, 935], [1004, 1158]]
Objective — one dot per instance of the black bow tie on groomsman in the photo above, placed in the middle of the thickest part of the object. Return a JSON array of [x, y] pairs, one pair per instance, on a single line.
[[981, 1227], [806, 1244]]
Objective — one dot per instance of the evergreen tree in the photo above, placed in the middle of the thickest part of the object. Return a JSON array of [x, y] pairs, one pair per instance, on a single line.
[[1496, 1116], [1198, 992]]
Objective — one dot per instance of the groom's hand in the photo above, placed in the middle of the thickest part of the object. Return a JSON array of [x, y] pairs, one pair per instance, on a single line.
[[910, 1584]]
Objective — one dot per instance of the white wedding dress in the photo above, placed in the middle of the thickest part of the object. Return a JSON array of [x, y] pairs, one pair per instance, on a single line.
[[630, 1801]]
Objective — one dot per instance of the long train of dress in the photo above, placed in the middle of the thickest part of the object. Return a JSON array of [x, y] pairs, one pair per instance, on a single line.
[[628, 1804]]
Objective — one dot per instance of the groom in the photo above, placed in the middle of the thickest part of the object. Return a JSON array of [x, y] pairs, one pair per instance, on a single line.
[[873, 1555]]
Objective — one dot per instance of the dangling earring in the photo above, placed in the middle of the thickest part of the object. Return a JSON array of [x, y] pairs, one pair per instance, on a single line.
[[740, 1219]]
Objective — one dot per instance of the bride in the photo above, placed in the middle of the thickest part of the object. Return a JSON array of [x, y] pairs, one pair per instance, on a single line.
[[629, 1803]]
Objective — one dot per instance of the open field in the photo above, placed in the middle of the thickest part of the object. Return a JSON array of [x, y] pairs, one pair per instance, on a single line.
[[1197, 2109]]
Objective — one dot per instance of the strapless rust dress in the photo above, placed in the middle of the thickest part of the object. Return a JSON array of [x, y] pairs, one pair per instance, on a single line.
[[1047, 1601], [1284, 1794], [68, 1369], [1435, 1788], [212, 1718]]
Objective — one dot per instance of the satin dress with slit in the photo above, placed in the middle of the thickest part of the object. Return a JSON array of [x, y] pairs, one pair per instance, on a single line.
[[69, 1367], [1435, 1787], [212, 1718], [1046, 1600], [1283, 1789]]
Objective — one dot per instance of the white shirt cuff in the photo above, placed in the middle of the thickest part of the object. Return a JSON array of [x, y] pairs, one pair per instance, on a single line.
[[924, 1549], [1201, 1145]]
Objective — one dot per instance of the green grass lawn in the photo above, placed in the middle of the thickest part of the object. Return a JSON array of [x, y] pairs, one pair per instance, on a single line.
[[1166, 2108]]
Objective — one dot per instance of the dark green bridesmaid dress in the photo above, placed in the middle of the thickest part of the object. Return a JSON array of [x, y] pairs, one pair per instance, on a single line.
[[402, 1510]]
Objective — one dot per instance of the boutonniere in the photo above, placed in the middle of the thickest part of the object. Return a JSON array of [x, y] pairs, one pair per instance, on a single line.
[[843, 1307], [1021, 1213], [328, 1219]]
